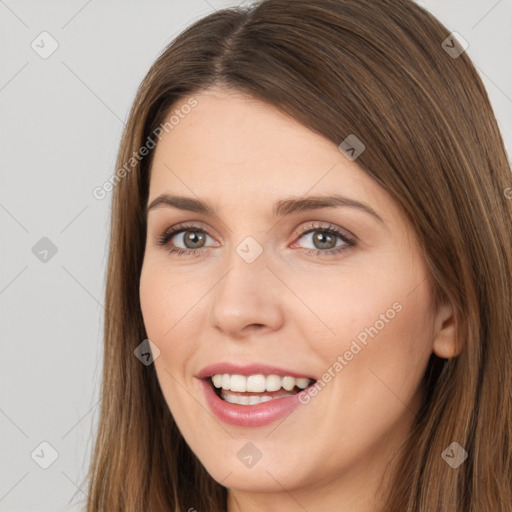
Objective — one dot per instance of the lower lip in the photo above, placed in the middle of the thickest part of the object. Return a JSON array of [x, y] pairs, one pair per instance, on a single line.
[[257, 415]]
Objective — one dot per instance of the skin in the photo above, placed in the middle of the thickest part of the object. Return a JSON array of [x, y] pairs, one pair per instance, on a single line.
[[289, 308]]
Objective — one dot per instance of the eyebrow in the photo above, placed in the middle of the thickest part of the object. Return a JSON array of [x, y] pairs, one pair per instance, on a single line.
[[281, 207]]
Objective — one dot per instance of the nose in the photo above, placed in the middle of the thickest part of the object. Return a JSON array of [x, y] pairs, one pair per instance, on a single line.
[[247, 299]]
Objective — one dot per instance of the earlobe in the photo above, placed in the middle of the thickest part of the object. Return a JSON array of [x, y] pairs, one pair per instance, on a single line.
[[445, 333]]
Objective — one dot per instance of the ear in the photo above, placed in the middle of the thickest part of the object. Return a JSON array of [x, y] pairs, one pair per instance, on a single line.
[[445, 335]]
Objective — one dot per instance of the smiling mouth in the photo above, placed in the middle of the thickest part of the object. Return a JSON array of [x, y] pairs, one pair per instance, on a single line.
[[256, 389]]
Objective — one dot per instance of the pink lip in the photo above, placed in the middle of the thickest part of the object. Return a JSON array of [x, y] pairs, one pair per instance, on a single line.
[[251, 369], [249, 415]]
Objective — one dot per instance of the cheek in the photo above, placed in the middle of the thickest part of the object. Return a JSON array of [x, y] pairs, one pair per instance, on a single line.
[[153, 300], [376, 332], [169, 316], [167, 299], [384, 362], [373, 365]]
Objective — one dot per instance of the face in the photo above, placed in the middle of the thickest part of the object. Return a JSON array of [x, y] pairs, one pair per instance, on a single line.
[[330, 292]]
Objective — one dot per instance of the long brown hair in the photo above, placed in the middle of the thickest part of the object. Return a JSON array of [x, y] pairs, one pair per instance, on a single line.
[[382, 70]]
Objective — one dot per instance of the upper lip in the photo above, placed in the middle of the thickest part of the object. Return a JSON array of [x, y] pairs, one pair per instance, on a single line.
[[250, 369]]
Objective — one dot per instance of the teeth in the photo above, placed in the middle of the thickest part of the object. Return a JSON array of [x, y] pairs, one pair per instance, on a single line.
[[217, 380], [303, 383], [237, 383], [288, 383], [226, 381], [237, 398], [255, 383], [273, 383], [258, 383]]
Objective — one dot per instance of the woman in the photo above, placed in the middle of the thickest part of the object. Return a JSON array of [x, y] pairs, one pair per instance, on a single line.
[[310, 272]]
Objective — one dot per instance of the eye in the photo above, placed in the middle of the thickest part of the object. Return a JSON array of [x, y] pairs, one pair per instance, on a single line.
[[192, 238], [324, 239]]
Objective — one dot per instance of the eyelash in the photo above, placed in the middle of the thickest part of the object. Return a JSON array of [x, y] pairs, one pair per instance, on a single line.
[[163, 240]]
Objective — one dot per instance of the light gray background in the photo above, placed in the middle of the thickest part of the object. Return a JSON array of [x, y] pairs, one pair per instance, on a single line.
[[61, 120]]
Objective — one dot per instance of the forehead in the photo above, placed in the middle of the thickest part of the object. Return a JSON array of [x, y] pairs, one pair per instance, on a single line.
[[232, 136], [233, 128], [233, 149]]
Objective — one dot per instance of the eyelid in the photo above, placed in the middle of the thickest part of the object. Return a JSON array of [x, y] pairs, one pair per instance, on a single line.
[[190, 225], [179, 228], [317, 226], [349, 240]]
